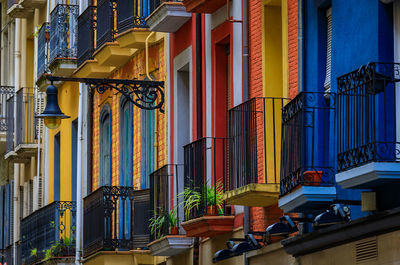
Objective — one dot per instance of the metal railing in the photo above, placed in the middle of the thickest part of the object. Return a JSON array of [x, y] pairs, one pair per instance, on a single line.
[[121, 217], [105, 26], [6, 92], [43, 49], [64, 32], [49, 232], [26, 120], [10, 123], [162, 202], [254, 147], [204, 177], [86, 37], [367, 116], [306, 129], [133, 14]]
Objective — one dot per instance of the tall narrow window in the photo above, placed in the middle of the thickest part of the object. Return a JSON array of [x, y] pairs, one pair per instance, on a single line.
[[125, 150], [147, 146], [327, 83], [105, 148]]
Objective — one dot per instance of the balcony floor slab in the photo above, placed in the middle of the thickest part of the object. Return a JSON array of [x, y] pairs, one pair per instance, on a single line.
[[255, 194], [136, 38], [63, 67], [110, 54], [307, 199], [168, 17], [369, 176], [171, 245], [92, 69]]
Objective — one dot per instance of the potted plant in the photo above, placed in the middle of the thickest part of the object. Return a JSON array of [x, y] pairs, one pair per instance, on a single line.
[[157, 222], [191, 200], [214, 198], [173, 222]]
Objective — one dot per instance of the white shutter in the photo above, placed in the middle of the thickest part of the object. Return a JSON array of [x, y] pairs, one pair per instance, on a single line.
[[39, 107], [25, 200], [327, 83], [35, 193], [30, 207], [40, 192]]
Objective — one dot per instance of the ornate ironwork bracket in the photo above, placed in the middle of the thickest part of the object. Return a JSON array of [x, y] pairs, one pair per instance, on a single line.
[[142, 93]]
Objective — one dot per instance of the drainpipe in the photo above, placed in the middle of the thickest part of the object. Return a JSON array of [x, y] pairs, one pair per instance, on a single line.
[[300, 41], [79, 181], [17, 58]]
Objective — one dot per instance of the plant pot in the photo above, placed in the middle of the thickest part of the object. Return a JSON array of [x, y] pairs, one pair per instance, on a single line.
[[312, 178], [210, 210], [174, 230]]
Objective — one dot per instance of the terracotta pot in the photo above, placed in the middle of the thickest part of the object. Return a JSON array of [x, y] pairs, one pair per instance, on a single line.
[[312, 178], [174, 230], [210, 210]]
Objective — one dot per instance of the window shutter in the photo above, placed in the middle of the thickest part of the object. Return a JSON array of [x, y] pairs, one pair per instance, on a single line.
[[25, 200], [2, 215], [30, 205], [7, 215], [39, 107], [327, 83], [40, 192], [12, 212], [21, 202]]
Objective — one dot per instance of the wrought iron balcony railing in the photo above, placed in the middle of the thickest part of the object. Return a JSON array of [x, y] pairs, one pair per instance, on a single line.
[[64, 32], [367, 116], [106, 26], [26, 120], [121, 217], [43, 49], [49, 230], [204, 182], [254, 132], [132, 14], [306, 129], [86, 37], [6, 92], [10, 123], [163, 204]]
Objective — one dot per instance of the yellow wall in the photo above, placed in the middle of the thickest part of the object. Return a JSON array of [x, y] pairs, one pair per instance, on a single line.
[[68, 97]]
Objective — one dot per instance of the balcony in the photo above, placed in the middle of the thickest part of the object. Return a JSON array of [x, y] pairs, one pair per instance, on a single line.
[[121, 217], [49, 233], [43, 56], [254, 152], [168, 238], [368, 134], [63, 39], [132, 29], [16, 9], [32, 3], [203, 6], [10, 127], [6, 92], [204, 184], [306, 182], [109, 15], [168, 16]]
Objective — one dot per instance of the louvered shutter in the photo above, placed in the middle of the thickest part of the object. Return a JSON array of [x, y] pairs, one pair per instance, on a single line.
[[39, 107], [2, 215], [327, 83], [12, 212], [40, 192], [21, 202], [7, 215], [30, 205], [35, 193], [25, 200]]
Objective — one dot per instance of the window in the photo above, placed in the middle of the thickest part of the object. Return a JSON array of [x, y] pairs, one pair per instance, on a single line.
[[105, 147], [147, 146], [327, 83], [126, 147]]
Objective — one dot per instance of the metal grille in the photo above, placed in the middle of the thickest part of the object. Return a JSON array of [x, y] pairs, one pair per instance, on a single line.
[[43, 49], [26, 121], [366, 251], [306, 128], [367, 114], [122, 218], [64, 34], [161, 183], [86, 38], [5, 93], [204, 175], [105, 22], [10, 123], [254, 133], [133, 14], [51, 225]]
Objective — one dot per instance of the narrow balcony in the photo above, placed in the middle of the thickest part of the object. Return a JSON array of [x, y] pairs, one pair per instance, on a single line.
[[206, 214], [6, 92], [254, 152], [167, 235], [42, 56], [109, 14], [306, 182], [168, 16], [49, 233], [63, 39], [121, 216], [203, 6], [368, 126], [10, 102], [132, 29]]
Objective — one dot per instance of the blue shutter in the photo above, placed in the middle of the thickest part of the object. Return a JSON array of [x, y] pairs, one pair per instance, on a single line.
[[2, 201], [7, 217]]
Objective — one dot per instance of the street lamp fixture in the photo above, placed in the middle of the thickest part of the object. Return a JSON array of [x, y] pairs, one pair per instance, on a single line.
[[144, 94]]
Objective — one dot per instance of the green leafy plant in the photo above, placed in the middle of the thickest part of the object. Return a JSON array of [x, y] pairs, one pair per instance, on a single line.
[[157, 222], [191, 200], [172, 218], [58, 248], [214, 196], [34, 252]]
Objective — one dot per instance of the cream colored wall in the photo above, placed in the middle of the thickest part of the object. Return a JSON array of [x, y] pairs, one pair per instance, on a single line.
[[272, 254]]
